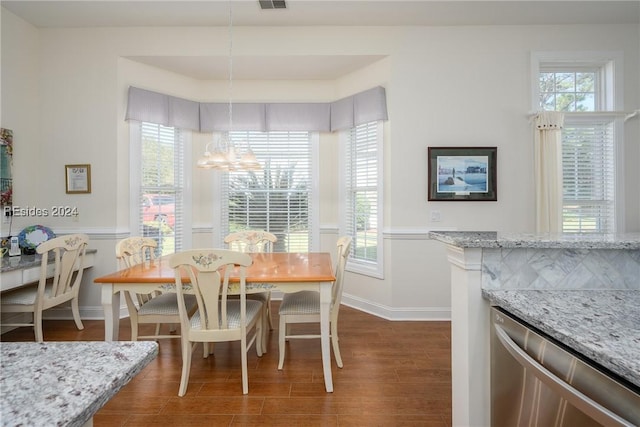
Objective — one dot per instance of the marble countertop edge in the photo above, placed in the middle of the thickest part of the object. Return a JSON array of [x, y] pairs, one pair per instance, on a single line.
[[496, 240]]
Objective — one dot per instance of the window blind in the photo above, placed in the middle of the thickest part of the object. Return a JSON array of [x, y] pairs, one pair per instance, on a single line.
[[161, 187], [278, 198], [362, 193], [588, 163]]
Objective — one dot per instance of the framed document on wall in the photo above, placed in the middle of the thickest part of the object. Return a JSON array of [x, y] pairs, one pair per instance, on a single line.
[[78, 179]]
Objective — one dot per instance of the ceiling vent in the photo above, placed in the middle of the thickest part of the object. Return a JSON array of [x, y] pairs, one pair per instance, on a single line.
[[272, 4]]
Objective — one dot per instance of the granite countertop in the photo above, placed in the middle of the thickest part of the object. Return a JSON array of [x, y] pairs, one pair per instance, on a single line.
[[493, 239], [602, 325], [27, 261], [65, 383]]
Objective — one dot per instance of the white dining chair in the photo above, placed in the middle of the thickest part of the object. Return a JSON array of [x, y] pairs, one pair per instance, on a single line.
[[67, 253], [255, 241], [218, 317], [153, 308], [304, 307]]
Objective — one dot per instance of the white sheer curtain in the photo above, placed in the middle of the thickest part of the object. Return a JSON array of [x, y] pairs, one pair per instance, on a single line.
[[548, 171]]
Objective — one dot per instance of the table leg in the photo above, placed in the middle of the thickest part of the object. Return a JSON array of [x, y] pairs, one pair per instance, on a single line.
[[325, 307], [111, 306]]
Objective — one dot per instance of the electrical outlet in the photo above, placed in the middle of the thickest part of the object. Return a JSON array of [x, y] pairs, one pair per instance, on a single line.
[[435, 216]]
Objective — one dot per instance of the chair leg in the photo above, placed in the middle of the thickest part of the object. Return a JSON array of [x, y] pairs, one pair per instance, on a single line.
[[336, 347], [260, 327], [245, 374], [37, 325], [281, 337], [134, 330], [205, 350], [76, 313], [157, 330], [269, 313], [266, 321], [186, 366]]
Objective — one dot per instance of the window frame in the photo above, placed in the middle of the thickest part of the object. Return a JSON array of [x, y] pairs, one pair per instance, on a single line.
[[609, 102], [355, 265], [135, 177]]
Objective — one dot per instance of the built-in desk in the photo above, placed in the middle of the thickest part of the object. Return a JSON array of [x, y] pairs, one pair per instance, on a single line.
[[25, 269]]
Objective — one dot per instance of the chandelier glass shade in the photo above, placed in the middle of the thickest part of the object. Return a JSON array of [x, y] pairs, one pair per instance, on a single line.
[[221, 154], [225, 157]]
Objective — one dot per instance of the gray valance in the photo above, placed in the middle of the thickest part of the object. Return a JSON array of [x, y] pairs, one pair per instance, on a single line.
[[345, 113], [215, 117]]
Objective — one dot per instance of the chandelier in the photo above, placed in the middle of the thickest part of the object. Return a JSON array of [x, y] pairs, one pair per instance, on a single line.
[[221, 154]]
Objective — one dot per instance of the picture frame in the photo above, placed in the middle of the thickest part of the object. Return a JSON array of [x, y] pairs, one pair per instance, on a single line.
[[462, 174], [78, 179]]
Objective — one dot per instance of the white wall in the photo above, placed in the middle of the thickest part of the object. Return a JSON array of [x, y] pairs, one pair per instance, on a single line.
[[445, 86]]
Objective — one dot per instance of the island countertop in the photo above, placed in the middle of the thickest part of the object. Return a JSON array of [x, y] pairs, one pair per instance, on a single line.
[[511, 269], [493, 239], [602, 325], [65, 383]]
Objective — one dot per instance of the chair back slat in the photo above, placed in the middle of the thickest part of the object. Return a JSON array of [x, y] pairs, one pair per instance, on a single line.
[[251, 241], [210, 297]]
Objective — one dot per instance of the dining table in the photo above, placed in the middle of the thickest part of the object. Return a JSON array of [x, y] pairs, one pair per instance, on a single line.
[[270, 271]]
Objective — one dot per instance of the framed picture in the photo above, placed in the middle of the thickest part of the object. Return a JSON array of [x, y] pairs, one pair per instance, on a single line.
[[462, 174], [78, 179]]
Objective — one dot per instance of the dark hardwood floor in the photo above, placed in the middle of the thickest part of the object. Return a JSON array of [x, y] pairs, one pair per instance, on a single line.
[[395, 374]]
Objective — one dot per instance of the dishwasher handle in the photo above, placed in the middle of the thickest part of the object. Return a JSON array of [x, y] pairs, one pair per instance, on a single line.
[[582, 402]]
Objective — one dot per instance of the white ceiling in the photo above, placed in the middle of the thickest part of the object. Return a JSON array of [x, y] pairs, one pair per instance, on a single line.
[[120, 13]]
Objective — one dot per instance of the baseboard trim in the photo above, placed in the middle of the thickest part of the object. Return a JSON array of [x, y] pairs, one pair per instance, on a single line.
[[86, 313], [419, 314], [398, 313], [375, 309]]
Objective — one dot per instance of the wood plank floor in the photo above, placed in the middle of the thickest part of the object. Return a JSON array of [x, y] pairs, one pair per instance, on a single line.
[[395, 374]]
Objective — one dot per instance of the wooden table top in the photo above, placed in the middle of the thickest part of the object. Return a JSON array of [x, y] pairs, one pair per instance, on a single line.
[[272, 267]]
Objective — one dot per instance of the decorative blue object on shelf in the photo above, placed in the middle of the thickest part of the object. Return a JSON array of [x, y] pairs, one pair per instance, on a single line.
[[33, 235]]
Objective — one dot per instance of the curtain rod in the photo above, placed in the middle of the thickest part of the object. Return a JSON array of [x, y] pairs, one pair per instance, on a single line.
[[627, 115]]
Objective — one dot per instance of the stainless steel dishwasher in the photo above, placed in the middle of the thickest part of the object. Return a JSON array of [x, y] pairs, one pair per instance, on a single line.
[[536, 382]]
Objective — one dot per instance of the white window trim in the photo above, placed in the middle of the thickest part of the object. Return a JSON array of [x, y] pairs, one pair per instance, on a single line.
[[371, 269], [612, 61], [135, 160]]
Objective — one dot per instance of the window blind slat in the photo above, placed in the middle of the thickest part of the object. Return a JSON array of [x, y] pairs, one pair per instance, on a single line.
[[362, 192], [161, 208], [278, 198], [588, 177]]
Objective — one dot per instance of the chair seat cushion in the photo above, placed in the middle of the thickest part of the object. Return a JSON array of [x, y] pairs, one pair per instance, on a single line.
[[233, 313], [166, 305], [24, 296], [302, 302]]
